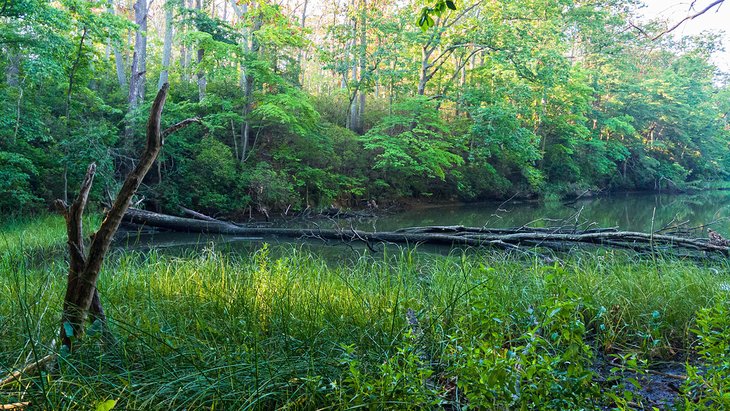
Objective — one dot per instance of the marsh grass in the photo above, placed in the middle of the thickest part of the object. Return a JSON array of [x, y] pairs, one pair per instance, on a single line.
[[282, 327]]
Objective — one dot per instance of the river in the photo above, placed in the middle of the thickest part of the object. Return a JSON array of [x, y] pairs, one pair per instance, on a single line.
[[627, 211]]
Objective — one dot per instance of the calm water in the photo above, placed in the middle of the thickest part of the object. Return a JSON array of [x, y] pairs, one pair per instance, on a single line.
[[625, 211]]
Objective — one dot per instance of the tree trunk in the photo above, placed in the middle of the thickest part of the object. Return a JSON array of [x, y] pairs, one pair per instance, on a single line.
[[202, 82], [139, 60], [12, 71], [423, 72], [188, 52], [82, 297], [118, 58], [72, 76], [300, 56], [139, 65], [557, 238], [360, 126], [249, 83], [167, 45], [352, 119]]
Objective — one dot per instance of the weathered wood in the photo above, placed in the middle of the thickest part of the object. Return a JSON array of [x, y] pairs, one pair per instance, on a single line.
[[15, 406], [82, 297], [197, 215], [27, 369], [554, 238]]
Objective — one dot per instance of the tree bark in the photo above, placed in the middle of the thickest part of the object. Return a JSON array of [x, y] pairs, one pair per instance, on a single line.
[[81, 294], [202, 82], [248, 86], [360, 125], [300, 56], [504, 238], [139, 60], [139, 65], [12, 71], [353, 66], [118, 58], [167, 45]]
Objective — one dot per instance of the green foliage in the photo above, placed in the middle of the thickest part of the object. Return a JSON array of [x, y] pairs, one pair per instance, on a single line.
[[270, 189], [289, 111], [414, 142], [401, 381], [425, 19], [16, 194], [486, 99], [279, 327], [498, 137], [213, 178], [549, 367], [706, 387]]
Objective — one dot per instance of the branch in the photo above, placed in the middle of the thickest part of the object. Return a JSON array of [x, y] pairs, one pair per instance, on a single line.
[[460, 15], [27, 369], [689, 17], [180, 125], [81, 293], [154, 143], [447, 53], [74, 222], [15, 406]]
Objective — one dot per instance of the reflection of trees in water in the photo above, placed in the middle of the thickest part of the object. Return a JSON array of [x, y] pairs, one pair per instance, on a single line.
[[628, 211]]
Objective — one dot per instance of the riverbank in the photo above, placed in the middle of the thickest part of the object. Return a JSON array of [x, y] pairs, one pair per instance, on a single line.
[[285, 328]]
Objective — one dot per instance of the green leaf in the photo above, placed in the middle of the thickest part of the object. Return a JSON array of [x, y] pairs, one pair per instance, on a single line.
[[95, 328], [68, 329], [450, 4], [106, 405]]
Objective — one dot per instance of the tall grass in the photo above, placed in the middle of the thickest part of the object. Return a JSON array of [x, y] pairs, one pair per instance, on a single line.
[[218, 330]]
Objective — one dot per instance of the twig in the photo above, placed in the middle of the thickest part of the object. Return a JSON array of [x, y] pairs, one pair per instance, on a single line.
[[182, 124], [664, 374], [27, 369], [15, 406], [689, 17]]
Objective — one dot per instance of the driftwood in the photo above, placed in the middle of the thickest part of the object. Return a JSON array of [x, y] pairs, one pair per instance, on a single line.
[[505, 238], [30, 368], [15, 406]]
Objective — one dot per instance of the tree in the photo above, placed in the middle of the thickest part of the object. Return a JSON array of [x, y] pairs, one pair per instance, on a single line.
[[82, 297]]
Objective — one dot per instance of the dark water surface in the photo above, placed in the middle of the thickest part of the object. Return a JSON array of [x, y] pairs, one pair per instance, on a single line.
[[629, 211]]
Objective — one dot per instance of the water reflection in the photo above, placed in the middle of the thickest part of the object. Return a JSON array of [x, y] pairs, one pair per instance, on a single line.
[[625, 211], [635, 212]]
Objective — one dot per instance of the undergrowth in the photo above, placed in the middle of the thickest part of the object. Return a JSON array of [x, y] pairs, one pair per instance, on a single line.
[[284, 328]]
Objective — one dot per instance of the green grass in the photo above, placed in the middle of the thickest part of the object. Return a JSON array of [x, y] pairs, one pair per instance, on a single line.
[[285, 328]]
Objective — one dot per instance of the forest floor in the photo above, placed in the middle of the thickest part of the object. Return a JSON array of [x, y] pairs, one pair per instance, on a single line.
[[282, 327]]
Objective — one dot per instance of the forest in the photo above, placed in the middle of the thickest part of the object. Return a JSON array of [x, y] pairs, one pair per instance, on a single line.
[[311, 105], [565, 164]]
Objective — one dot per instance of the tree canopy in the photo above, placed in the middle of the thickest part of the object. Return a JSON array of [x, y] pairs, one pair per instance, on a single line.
[[307, 104]]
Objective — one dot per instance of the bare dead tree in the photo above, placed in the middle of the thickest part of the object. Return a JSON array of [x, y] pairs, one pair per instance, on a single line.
[[82, 298]]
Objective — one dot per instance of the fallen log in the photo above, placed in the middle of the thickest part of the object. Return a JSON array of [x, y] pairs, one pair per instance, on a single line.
[[197, 215], [504, 238]]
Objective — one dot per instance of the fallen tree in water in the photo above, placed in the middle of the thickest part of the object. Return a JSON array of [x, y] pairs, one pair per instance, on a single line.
[[521, 238]]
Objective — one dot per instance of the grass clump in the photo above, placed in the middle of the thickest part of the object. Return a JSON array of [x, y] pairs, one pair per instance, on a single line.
[[284, 328]]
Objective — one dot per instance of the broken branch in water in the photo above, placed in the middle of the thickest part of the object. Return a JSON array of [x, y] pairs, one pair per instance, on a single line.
[[556, 238]]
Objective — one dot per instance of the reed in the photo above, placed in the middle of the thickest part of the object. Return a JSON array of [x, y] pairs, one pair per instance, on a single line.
[[284, 327]]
